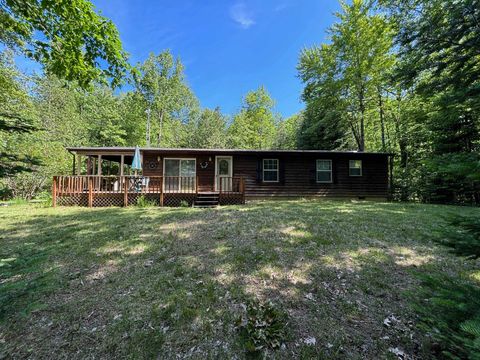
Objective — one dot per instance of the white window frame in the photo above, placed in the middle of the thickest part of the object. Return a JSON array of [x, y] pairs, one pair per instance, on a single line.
[[179, 183], [350, 168], [270, 170], [329, 171]]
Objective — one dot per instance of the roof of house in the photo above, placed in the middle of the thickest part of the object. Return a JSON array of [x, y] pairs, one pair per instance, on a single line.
[[220, 151]]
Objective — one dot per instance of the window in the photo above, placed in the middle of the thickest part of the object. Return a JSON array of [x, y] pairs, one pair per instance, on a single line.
[[324, 171], [270, 170], [179, 174], [355, 168]]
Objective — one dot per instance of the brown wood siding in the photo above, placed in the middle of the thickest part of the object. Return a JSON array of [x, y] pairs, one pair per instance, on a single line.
[[298, 178], [152, 166]]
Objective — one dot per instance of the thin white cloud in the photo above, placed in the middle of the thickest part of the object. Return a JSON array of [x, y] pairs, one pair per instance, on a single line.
[[241, 15], [280, 7]]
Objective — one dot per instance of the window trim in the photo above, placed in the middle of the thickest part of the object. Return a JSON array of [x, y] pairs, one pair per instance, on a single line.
[[350, 168], [330, 171], [271, 170]]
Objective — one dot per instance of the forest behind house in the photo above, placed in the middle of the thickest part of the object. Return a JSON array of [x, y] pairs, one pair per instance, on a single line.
[[397, 76]]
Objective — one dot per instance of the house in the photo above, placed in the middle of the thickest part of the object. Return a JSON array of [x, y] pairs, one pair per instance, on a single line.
[[102, 176]]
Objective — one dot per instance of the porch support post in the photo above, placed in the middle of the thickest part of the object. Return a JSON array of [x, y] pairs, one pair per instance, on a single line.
[[161, 192], [89, 165], [54, 192], [125, 193], [99, 165], [90, 192], [122, 165], [73, 164], [79, 164]]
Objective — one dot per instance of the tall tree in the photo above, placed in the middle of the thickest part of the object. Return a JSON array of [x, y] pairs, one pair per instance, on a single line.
[[347, 71], [68, 37], [161, 82], [288, 132], [254, 126], [17, 118], [210, 130]]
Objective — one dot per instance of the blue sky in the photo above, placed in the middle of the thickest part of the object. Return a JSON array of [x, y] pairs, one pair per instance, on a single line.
[[227, 47]]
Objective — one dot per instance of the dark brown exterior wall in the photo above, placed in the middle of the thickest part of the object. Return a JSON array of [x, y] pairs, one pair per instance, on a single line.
[[153, 167], [297, 176]]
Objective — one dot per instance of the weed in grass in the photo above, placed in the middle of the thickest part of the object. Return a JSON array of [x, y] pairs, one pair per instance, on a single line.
[[262, 326]]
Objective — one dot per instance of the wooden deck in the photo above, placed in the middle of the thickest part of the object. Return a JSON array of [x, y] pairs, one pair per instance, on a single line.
[[97, 191]]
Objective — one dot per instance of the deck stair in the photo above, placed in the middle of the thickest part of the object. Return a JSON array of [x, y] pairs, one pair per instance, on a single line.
[[206, 200]]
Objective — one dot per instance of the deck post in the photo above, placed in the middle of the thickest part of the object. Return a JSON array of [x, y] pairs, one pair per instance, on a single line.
[[54, 192], [161, 192], [125, 192], [79, 164], [90, 192], [242, 189]]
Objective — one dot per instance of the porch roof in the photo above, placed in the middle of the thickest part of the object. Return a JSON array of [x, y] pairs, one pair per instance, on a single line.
[[131, 150]]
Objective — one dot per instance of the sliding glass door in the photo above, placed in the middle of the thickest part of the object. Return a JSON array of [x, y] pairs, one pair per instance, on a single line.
[[179, 175]]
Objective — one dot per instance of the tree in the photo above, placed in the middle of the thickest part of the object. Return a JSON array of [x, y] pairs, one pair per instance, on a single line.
[[17, 118], [288, 132], [210, 130], [67, 37], [161, 82], [254, 126], [438, 44], [347, 73]]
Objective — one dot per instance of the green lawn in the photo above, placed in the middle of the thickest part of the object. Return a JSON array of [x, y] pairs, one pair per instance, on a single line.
[[159, 282]]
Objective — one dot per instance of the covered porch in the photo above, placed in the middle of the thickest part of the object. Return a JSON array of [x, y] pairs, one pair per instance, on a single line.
[[105, 177]]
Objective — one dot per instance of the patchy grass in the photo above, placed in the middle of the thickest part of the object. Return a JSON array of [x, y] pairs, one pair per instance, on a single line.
[[151, 282]]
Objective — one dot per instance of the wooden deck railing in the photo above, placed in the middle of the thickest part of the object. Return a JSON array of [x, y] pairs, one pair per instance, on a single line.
[[94, 185]]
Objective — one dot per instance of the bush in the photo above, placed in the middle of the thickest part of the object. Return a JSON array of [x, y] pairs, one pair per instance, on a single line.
[[143, 202], [450, 312], [462, 235], [262, 326], [184, 203]]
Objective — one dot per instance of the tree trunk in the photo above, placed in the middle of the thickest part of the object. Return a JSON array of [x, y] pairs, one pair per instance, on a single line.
[[160, 123], [382, 117], [361, 145]]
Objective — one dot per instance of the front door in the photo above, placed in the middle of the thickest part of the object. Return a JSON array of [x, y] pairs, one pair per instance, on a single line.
[[223, 173]]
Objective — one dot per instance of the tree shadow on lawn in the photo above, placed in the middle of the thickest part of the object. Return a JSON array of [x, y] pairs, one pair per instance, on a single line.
[[168, 282]]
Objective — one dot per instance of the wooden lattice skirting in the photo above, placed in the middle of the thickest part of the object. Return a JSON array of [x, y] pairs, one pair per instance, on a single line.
[[117, 199]]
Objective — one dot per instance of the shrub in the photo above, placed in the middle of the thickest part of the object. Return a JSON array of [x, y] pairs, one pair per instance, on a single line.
[[262, 326], [184, 203], [142, 202], [450, 312], [462, 235]]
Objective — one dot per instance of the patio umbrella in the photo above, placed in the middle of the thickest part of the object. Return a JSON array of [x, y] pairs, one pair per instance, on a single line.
[[136, 163]]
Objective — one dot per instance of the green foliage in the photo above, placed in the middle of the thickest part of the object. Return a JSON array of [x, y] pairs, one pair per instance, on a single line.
[[254, 126], [462, 235], [210, 130], [262, 327], [143, 202], [288, 131], [184, 203], [341, 78], [160, 81], [450, 312], [68, 37]]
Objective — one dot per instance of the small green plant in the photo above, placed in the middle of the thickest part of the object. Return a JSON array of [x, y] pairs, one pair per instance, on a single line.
[[184, 203], [262, 326], [143, 202], [462, 235]]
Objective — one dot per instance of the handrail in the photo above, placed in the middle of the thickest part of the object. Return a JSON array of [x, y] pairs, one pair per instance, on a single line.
[[92, 186]]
